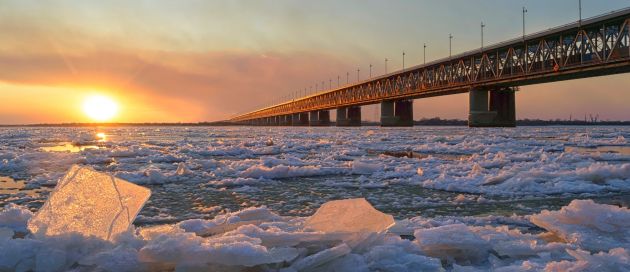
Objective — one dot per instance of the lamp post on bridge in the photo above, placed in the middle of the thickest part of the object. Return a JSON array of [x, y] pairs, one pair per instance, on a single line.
[[580, 13], [450, 43], [482, 26], [338, 84], [403, 60], [370, 70], [323, 85], [358, 70], [424, 54], [524, 11], [386, 65], [347, 77], [330, 83]]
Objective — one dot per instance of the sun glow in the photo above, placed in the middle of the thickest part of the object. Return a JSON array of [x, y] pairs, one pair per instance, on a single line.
[[100, 108]]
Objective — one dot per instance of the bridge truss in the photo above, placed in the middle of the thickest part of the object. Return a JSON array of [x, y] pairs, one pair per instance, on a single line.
[[593, 47]]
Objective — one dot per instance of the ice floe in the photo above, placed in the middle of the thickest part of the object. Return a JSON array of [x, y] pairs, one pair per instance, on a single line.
[[89, 203]]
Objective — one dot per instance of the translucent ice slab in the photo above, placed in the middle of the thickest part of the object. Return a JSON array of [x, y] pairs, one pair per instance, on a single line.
[[349, 215], [90, 203]]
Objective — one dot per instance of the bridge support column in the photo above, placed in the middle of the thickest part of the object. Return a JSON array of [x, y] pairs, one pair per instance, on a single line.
[[319, 118], [397, 113], [349, 116], [492, 107], [288, 120], [300, 119]]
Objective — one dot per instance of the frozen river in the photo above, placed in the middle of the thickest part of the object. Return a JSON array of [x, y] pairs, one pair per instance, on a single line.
[[423, 176]]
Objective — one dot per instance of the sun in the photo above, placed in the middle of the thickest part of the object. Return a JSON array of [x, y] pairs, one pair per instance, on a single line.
[[100, 108]]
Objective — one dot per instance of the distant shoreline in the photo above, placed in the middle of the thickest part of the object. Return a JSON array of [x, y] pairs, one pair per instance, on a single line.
[[422, 122]]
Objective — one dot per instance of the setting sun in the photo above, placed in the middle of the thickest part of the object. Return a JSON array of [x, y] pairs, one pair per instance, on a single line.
[[100, 108]]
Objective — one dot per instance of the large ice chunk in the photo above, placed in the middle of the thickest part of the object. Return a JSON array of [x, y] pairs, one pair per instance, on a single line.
[[453, 243], [14, 217], [90, 203], [349, 215], [590, 225], [311, 263], [617, 259]]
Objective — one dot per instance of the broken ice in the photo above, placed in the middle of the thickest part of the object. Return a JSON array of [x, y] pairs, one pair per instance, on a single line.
[[349, 215], [90, 203]]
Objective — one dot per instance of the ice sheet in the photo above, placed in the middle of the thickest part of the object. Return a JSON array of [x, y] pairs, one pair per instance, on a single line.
[[349, 215], [90, 203], [590, 225]]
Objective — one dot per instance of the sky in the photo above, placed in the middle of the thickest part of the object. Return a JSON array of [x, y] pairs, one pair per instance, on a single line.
[[191, 61]]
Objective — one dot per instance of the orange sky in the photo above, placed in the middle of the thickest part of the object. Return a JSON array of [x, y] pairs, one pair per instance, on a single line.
[[189, 61]]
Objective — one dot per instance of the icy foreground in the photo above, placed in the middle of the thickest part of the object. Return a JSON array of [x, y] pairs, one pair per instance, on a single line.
[[583, 236], [276, 178]]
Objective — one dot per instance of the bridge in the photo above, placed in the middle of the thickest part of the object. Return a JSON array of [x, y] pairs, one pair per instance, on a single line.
[[592, 47]]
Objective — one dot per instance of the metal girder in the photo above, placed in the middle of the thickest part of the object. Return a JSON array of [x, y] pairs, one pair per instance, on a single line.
[[600, 46]]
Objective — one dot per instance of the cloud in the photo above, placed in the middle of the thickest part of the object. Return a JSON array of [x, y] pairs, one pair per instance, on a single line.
[[214, 85]]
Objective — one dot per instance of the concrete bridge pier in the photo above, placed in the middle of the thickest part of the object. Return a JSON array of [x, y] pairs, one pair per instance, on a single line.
[[299, 119], [397, 113], [288, 120], [349, 116], [492, 107], [319, 118]]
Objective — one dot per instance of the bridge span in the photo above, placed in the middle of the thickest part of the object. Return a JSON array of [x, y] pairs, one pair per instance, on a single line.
[[593, 47]]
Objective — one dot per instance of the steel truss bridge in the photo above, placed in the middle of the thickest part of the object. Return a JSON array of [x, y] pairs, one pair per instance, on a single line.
[[592, 47]]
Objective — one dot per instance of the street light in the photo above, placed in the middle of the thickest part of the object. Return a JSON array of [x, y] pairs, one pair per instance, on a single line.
[[370, 70], [358, 70], [403, 60], [482, 26], [424, 54], [347, 77], [524, 11], [450, 42], [338, 84], [580, 11], [386, 65]]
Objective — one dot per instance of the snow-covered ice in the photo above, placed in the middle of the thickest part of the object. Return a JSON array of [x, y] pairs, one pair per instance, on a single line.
[[240, 198], [592, 227], [257, 238]]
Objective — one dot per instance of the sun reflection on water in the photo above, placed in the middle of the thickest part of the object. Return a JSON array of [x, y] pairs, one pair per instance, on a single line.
[[101, 136]]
